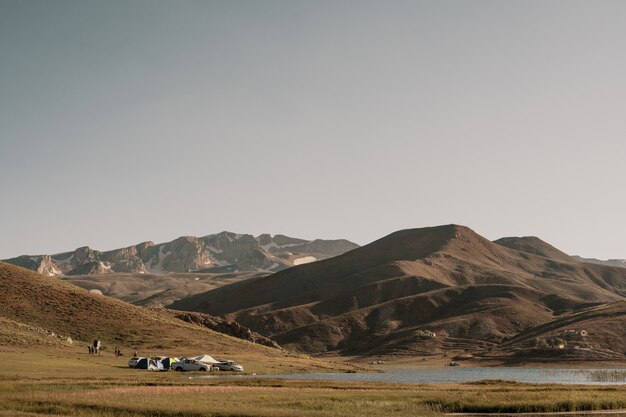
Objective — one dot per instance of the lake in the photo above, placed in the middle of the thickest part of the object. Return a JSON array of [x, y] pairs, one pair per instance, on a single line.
[[447, 375]]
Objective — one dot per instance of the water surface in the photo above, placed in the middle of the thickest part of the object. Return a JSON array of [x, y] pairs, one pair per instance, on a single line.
[[447, 375]]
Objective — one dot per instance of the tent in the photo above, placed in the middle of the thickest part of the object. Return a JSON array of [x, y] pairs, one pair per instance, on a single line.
[[150, 364], [167, 362], [154, 365], [142, 363], [205, 359]]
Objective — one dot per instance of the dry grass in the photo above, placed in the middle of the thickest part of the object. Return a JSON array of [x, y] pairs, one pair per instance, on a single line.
[[65, 383]]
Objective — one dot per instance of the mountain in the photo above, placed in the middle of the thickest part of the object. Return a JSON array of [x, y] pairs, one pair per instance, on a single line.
[[222, 252], [621, 263], [391, 295]]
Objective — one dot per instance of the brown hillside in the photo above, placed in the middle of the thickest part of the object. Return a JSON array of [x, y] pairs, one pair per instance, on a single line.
[[605, 338], [447, 279], [38, 310]]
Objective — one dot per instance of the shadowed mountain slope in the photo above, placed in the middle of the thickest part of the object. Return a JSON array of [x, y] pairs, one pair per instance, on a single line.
[[597, 332], [447, 279]]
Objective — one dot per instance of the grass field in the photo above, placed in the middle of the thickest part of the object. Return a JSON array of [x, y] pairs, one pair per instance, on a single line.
[[70, 383]]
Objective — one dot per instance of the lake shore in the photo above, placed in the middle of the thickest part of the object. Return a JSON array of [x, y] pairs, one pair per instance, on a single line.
[[396, 362]]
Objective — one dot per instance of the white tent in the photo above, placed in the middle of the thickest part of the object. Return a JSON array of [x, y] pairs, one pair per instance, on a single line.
[[205, 359], [154, 365]]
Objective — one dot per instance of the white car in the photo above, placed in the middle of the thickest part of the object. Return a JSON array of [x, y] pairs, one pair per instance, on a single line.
[[190, 365], [132, 362], [228, 366]]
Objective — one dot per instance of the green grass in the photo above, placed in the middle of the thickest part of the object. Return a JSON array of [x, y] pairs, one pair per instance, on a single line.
[[67, 383]]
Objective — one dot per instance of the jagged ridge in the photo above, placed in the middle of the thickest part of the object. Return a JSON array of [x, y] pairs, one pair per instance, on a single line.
[[220, 252]]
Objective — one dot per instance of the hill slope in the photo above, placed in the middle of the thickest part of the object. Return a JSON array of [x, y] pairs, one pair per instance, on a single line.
[[222, 252], [37, 310], [385, 295], [597, 332]]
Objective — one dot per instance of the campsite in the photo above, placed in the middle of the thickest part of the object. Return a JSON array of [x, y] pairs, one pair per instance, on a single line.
[[276, 208], [201, 363]]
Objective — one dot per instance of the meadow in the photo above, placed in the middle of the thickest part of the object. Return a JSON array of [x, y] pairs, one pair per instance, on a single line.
[[69, 383]]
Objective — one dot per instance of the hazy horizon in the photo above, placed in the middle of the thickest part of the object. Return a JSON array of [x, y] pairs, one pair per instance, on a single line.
[[122, 122]]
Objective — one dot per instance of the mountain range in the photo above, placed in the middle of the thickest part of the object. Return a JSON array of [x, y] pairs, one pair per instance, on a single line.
[[426, 291], [389, 296], [221, 252]]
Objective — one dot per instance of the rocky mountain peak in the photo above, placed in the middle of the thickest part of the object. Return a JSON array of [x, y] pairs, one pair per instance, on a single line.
[[221, 252]]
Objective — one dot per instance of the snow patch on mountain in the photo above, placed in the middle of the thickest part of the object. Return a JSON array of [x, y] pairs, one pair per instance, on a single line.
[[304, 260]]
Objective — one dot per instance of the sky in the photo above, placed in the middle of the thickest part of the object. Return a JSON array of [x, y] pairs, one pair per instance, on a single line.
[[127, 121]]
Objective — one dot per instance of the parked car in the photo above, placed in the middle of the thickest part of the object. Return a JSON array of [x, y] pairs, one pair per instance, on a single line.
[[454, 364], [190, 365], [132, 362], [226, 365]]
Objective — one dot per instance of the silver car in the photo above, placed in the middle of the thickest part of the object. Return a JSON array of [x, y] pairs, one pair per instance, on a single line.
[[190, 365], [227, 365]]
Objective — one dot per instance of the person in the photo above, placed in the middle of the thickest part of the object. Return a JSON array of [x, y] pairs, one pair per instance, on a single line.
[[135, 353]]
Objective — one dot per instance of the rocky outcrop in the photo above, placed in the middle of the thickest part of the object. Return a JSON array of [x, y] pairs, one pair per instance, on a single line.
[[42, 264], [94, 267], [221, 252], [184, 254], [245, 251], [126, 259]]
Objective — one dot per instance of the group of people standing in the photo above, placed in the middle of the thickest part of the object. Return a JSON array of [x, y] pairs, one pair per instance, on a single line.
[[95, 347]]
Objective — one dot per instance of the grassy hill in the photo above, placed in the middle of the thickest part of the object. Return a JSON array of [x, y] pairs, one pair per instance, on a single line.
[[39, 311]]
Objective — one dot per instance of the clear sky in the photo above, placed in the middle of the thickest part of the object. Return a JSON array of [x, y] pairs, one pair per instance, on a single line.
[[126, 121]]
